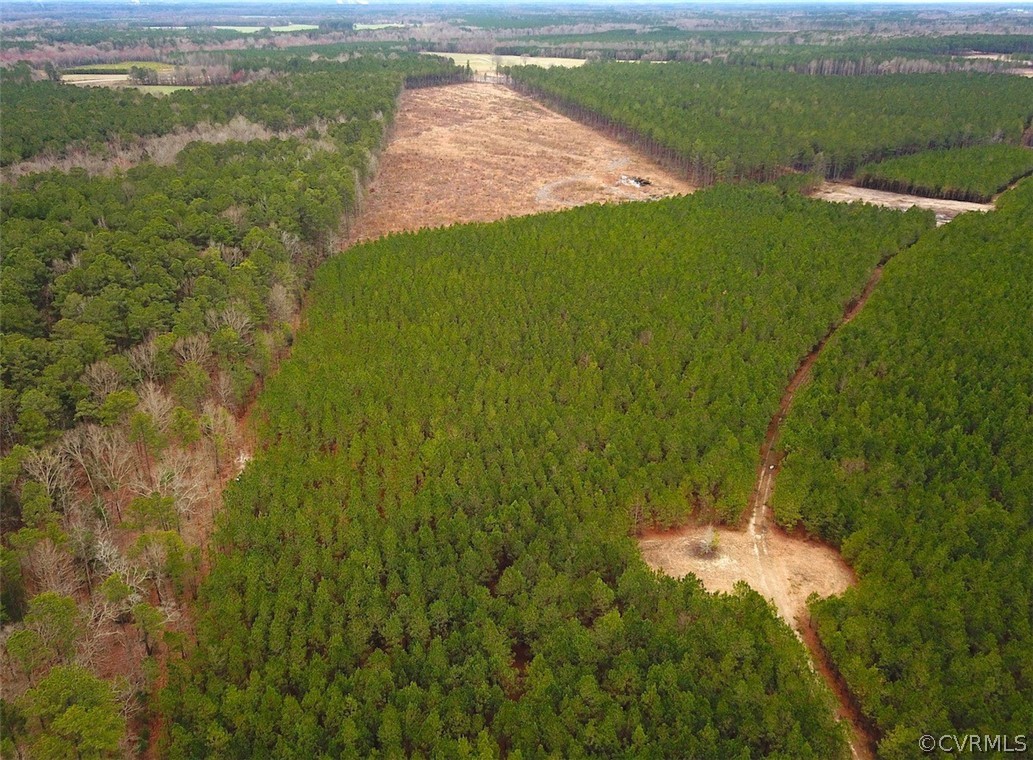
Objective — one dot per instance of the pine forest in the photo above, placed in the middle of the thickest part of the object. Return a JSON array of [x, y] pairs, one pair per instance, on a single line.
[[412, 380]]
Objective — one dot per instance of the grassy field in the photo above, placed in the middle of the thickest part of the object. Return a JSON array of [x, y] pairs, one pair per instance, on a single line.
[[255, 29], [120, 80], [483, 63], [295, 28], [375, 27], [95, 80], [162, 89], [126, 66]]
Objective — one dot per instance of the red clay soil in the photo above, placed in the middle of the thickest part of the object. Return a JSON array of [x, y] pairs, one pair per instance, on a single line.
[[783, 568], [862, 740]]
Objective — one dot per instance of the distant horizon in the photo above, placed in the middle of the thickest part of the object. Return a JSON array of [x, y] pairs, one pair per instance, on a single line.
[[44, 7]]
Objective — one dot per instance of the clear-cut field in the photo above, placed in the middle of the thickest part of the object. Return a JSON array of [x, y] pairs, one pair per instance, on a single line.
[[481, 152]]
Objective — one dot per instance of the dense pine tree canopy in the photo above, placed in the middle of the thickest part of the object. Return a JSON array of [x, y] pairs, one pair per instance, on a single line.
[[971, 174], [725, 122], [432, 554], [912, 449]]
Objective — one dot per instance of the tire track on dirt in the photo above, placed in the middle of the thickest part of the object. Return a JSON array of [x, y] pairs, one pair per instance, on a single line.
[[770, 568], [783, 568]]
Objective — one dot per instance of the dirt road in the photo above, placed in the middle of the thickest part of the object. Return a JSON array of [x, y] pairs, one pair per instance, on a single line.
[[783, 568], [945, 210], [479, 152]]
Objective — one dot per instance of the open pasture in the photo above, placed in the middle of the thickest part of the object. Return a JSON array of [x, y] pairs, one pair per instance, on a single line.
[[483, 63]]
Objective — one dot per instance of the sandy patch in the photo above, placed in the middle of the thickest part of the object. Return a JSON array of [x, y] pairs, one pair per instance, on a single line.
[[945, 210], [785, 569], [481, 152], [805, 567]]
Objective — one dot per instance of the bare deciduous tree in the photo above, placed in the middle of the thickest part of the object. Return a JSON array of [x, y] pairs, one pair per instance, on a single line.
[[230, 254], [232, 316], [181, 476], [236, 214], [112, 459], [143, 358], [155, 402], [220, 429], [80, 526], [95, 631], [281, 303], [293, 245], [102, 379], [222, 390], [73, 446], [51, 568], [53, 471], [128, 689], [114, 562], [159, 552], [194, 348]]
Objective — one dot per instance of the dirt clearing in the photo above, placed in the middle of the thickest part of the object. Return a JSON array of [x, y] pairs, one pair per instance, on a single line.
[[945, 210], [805, 567], [785, 569], [481, 152]]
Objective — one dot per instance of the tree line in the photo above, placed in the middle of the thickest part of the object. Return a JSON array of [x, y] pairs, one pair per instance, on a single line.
[[47, 116], [967, 174], [805, 52], [717, 122]]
